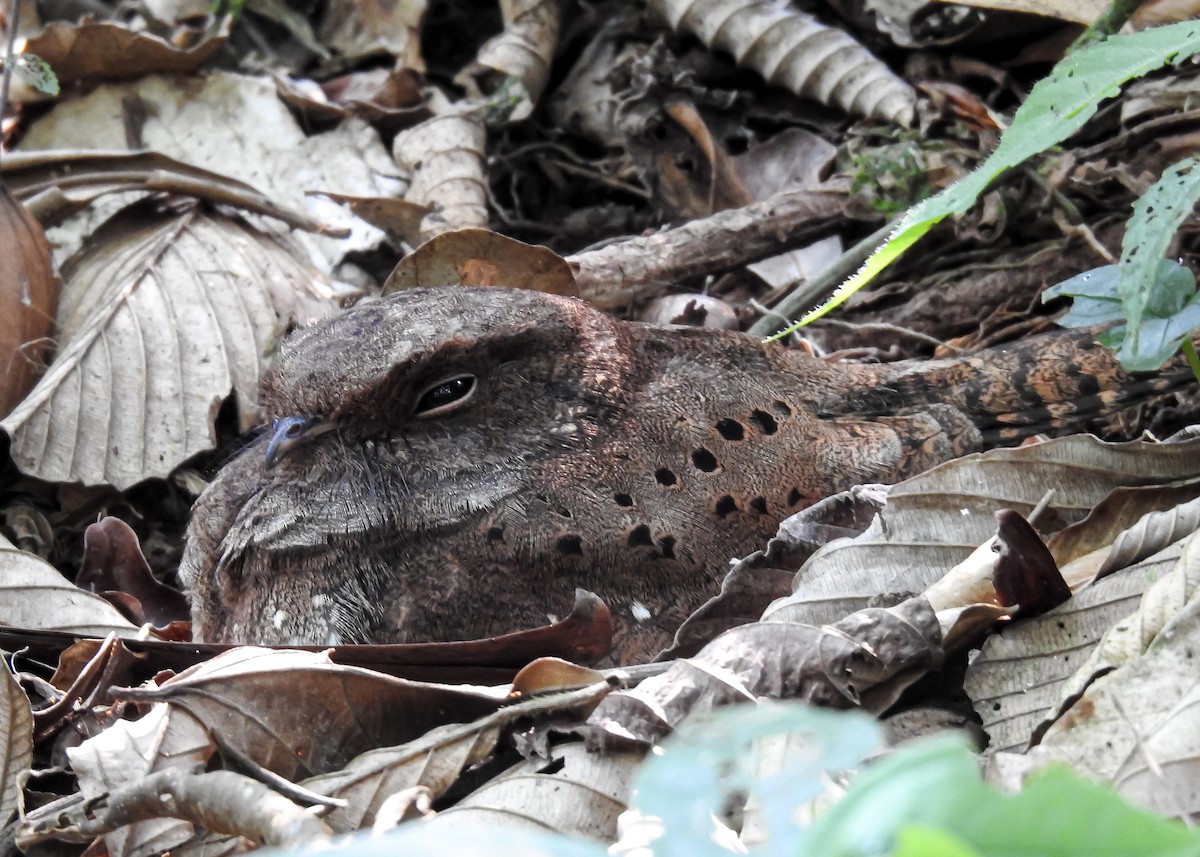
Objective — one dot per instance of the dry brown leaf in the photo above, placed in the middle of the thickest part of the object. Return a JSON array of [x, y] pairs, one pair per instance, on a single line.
[[792, 49], [16, 739], [867, 659], [58, 183], [935, 520], [101, 50], [399, 218], [298, 714], [523, 50], [480, 257], [34, 595], [1019, 674], [574, 792], [444, 158], [161, 317], [434, 761], [28, 300]]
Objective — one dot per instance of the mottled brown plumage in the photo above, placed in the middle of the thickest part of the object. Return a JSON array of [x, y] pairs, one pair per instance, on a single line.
[[627, 459]]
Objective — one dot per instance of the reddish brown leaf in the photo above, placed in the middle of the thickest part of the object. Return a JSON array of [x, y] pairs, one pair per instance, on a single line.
[[113, 564], [28, 300]]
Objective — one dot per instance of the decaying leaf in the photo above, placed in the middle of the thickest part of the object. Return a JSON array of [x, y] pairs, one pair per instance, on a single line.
[[115, 567], [1019, 674], [198, 122], [357, 29], [867, 659], [28, 300], [58, 183], [792, 49], [129, 751], [162, 317]]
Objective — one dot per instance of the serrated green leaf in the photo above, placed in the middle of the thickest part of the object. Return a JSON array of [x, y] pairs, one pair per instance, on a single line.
[[1057, 107]]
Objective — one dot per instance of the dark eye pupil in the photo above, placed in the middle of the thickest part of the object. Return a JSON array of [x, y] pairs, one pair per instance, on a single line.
[[445, 393]]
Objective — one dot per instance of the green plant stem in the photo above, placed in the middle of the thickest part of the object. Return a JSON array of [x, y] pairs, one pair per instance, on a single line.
[[1109, 22], [1193, 359]]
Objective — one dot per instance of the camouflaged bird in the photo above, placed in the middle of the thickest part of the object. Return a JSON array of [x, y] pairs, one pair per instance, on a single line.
[[452, 463]]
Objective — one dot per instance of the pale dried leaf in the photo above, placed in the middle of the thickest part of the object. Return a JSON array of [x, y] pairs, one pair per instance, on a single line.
[[792, 49], [1133, 635], [126, 753], [935, 520], [1137, 727], [56, 184], [1018, 675], [573, 792], [1072, 11], [33, 594], [16, 740], [161, 318], [444, 157], [299, 714]]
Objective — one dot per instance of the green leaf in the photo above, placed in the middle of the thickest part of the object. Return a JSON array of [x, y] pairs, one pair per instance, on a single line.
[[921, 840], [928, 782], [1057, 107], [709, 759], [1167, 303], [1060, 814]]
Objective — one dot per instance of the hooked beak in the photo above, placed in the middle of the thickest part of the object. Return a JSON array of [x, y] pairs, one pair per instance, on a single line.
[[290, 432]]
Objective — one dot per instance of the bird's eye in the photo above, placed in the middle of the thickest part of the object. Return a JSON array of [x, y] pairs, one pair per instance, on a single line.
[[445, 396]]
